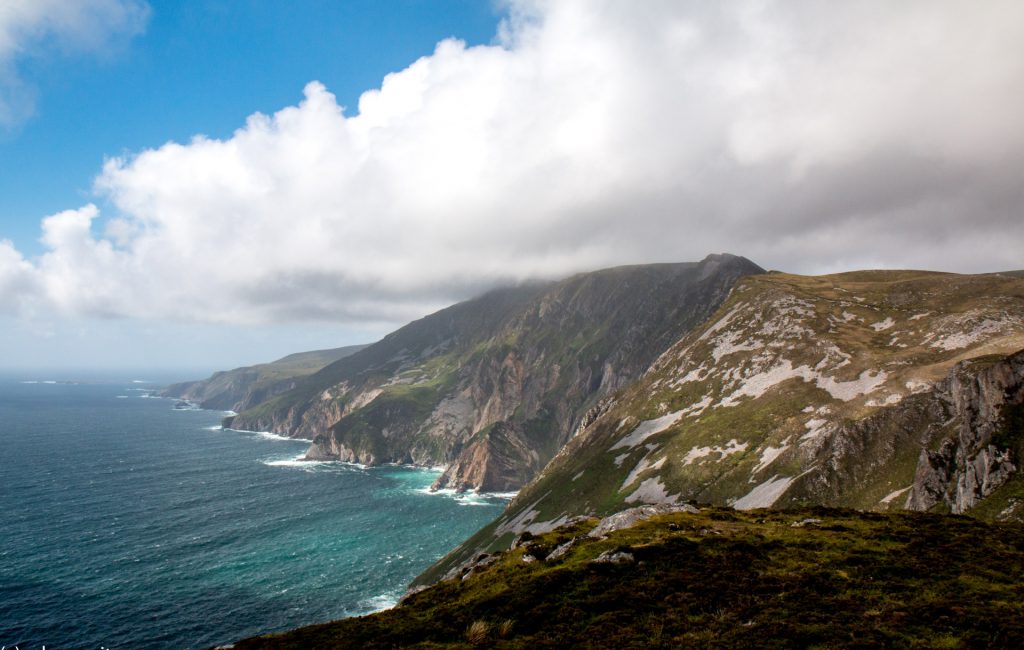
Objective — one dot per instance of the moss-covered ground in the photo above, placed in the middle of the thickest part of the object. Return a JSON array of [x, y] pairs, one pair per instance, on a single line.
[[812, 578]]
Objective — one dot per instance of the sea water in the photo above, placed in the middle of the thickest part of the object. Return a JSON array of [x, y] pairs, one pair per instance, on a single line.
[[125, 523]]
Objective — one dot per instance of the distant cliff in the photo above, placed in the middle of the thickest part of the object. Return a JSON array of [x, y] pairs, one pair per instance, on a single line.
[[242, 388], [494, 387]]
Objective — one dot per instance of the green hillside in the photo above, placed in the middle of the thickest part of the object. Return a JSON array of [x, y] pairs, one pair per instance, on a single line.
[[719, 578]]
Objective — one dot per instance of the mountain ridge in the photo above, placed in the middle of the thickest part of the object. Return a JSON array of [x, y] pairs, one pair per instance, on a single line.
[[247, 386], [492, 387]]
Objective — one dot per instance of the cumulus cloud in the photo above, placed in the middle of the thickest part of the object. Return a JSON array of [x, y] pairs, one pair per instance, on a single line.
[[29, 27], [808, 136]]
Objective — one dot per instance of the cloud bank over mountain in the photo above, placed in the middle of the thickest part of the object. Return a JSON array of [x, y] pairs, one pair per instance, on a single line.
[[807, 136]]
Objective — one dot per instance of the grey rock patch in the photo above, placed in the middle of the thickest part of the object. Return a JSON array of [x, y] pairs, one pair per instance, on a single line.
[[633, 516], [805, 522], [614, 557]]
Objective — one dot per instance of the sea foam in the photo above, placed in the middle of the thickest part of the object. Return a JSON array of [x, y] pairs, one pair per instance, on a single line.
[[268, 435]]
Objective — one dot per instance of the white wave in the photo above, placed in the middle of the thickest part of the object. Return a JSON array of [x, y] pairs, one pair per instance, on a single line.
[[30, 381], [214, 428], [301, 462], [141, 381], [469, 498], [445, 492], [49, 381], [140, 390], [121, 396], [297, 461], [502, 495], [268, 435], [230, 413], [380, 603]]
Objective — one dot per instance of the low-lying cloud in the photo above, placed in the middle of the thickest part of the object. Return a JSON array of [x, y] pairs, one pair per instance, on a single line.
[[810, 137]]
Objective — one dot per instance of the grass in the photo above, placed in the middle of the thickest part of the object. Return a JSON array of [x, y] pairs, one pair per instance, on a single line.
[[723, 579]]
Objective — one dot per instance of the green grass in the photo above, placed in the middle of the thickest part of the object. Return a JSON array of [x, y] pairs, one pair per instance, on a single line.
[[723, 579]]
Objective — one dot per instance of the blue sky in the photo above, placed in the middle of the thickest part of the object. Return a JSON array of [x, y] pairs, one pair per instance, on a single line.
[[212, 184], [202, 66]]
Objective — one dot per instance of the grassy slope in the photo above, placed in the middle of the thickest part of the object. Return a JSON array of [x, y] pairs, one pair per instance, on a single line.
[[723, 578], [264, 375], [302, 363]]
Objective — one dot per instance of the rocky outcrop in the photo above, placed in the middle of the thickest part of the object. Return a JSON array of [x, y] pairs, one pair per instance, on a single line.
[[973, 460]]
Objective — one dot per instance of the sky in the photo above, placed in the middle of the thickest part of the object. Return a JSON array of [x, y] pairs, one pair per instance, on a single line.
[[211, 184]]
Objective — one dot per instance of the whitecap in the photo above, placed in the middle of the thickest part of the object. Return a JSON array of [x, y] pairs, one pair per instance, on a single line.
[[30, 381], [214, 428], [503, 495], [49, 381], [268, 435], [301, 462], [473, 498], [379, 603], [121, 396], [445, 492]]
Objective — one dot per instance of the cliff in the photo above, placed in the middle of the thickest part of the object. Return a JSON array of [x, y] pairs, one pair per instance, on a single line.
[[242, 388], [871, 390], [494, 387]]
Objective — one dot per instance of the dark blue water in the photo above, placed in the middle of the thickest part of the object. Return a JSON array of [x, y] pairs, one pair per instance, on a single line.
[[127, 524]]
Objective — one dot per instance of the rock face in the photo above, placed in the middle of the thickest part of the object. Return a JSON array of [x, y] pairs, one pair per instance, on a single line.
[[242, 388], [494, 387], [979, 456], [871, 390]]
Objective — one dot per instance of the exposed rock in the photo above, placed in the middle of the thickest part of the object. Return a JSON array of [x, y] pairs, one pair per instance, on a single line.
[[562, 549], [970, 464], [632, 516], [614, 557], [805, 522]]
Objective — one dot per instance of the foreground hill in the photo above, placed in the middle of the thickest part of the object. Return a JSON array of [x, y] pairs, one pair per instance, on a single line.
[[719, 578], [872, 390], [493, 387], [242, 388]]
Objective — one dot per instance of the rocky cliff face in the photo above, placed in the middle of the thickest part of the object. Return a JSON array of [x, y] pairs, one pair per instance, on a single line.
[[872, 390], [493, 387], [243, 388], [981, 451]]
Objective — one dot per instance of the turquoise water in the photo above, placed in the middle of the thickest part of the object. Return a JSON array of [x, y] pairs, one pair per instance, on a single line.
[[128, 524]]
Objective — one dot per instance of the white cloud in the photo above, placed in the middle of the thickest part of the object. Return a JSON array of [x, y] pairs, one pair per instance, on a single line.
[[28, 27], [807, 136]]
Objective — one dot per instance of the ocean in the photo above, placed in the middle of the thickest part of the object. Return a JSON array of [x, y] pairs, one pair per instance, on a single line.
[[129, 524]]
